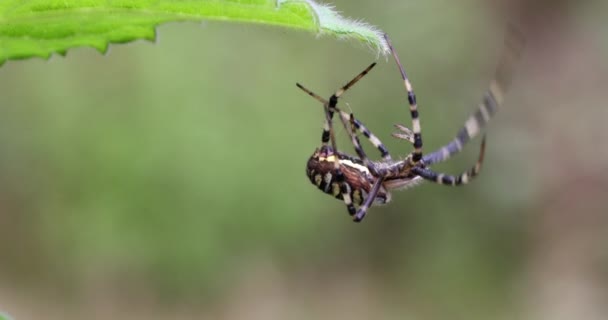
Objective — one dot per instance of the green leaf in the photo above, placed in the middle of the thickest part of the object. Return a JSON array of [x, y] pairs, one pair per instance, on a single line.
[[38, 28]]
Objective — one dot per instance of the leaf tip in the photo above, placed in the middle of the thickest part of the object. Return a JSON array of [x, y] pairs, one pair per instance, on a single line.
[[330, 21]]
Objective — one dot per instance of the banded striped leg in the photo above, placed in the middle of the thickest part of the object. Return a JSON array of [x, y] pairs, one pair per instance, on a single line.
[[328, 133], [329, 114], [340, 179], [371, 196], [450, 180], [332, 105], [344, 187], [411, 98], [368, 201], [492, 99], [333, 100], [356, 125], [359, 126]]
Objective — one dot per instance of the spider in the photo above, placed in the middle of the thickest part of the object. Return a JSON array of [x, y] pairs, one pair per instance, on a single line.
[[361, 182]]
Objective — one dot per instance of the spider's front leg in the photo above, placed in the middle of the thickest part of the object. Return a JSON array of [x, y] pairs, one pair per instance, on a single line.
[[413, 106], [492, 99], [450, 180], [438, 177]]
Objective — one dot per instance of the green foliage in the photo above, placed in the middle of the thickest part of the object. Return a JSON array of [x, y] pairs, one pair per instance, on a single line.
[[38, 28]]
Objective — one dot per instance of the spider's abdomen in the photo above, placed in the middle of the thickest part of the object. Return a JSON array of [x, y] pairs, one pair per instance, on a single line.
[[321, 172]]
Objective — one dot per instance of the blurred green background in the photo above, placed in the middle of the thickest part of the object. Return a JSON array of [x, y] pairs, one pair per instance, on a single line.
[[166, 180]]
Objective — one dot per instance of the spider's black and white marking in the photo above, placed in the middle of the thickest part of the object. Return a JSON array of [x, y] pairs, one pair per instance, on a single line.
[[360, 182]]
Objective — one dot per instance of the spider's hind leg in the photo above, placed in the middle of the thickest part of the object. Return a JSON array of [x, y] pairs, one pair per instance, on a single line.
[[368, 201]]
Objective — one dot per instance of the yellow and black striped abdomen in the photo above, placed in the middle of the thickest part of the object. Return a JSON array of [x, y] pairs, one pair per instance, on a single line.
[[320, 169]]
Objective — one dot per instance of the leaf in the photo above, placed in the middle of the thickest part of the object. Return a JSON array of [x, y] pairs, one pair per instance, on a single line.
[[38, 28]]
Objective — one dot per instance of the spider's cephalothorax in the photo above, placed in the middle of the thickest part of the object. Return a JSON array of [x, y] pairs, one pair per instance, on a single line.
[[360, 182]]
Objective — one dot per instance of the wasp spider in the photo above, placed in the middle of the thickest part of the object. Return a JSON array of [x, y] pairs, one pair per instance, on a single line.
[[361, 182]]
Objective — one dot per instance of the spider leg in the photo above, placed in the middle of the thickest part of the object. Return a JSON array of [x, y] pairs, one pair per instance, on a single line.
[[351, 128], [368, 201], [450, 180], [332, 106], [345, 188], [373, 139], [345, 118], [325, 135], [492, 99], [411, 97], [333, 100], [329, 108], [350, 124]]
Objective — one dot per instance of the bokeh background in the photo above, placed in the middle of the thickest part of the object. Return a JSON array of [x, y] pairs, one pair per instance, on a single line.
[[166, 180]]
